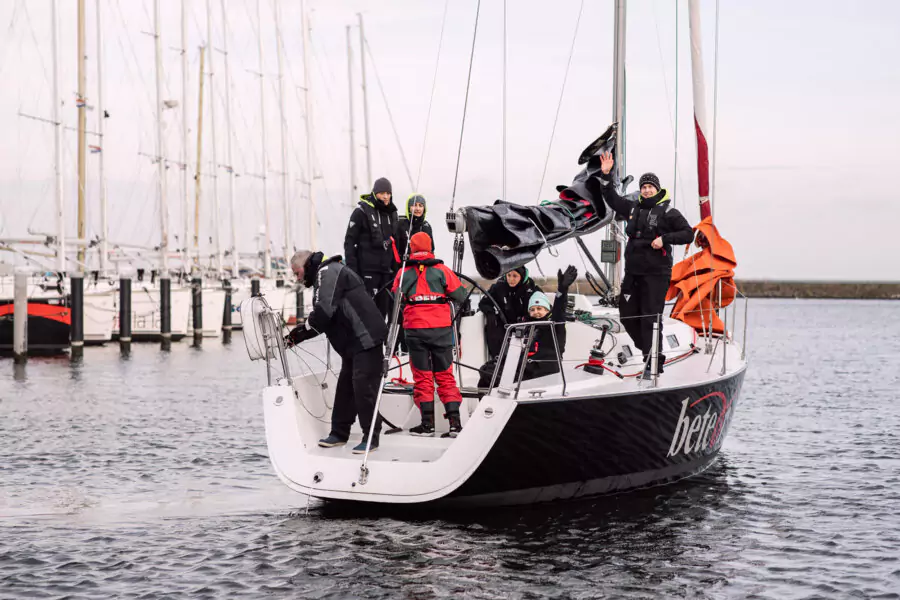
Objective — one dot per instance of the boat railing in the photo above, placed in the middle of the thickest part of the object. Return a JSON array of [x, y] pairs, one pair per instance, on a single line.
[[519, 332]]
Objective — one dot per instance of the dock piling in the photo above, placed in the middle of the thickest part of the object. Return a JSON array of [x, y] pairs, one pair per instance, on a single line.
[[76, 335], [20, 317]]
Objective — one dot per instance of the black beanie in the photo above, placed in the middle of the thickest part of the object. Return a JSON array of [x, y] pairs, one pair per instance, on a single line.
[[382, 185], [650, 178], [415, 199]]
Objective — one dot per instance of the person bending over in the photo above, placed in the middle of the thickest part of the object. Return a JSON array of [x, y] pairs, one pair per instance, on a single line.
[[347, 315]]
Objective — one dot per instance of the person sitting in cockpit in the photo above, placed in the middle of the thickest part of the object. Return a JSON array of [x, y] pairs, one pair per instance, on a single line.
[[511, 294], [543, 353]]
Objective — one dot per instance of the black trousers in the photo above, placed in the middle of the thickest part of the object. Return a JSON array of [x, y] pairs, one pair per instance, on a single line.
[[374, 282], [357, 390], [641, 303], [494, 330], [533, 370]]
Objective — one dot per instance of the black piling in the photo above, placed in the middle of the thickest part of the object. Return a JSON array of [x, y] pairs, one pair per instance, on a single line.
[[165, 309], [125, 313], [197, 308], [226, 316], [254, 287], [76, 307]]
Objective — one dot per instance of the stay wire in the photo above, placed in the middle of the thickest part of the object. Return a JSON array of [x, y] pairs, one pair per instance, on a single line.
[[675, 172], [390, 115], [562, 93], [712, 191], [437, 63], [462, 128]]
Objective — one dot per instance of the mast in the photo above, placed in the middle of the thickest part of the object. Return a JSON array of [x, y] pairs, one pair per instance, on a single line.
[[699, 90], [279, 40], [82, 126], [186, 198], [235, 268], [307, 82], [618, 117], [104, 217], [365, 98], [161, 177], [214, 171], [199, 173], [353, 187], [267, 252], [57, 148]]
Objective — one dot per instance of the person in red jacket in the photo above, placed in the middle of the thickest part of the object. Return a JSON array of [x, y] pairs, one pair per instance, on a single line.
[[427, 287]]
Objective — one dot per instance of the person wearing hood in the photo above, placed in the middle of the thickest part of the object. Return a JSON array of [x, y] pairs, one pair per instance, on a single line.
[[345, 312], [543, 353], [653, 227], [413, 222], [511, 294], [426, 288], [370, 242]]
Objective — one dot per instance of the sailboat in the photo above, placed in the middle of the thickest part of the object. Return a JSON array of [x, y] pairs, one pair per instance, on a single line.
[[594, 428]]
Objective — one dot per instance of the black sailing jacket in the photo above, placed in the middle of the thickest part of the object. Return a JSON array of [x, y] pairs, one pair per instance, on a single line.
[[647, 219], [369, 241], [342, 309]]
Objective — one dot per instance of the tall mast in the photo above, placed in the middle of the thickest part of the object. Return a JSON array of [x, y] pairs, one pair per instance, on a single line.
[[353, 187], [82, 126], [235, 269], [284, 161], [618, 117], [214, 171], [57, 148], [699, 90], [101, 119], [267, 251], [365, 99], [307, 82], [198, 182], [186, 198], [161, 178]]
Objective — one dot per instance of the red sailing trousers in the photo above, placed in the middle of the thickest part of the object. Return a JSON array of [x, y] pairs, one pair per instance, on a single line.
[[431, 359]]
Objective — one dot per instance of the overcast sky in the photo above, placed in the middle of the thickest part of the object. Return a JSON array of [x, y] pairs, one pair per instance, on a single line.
[[808, 140]]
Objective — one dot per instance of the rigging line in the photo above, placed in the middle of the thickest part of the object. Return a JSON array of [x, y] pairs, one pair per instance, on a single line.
[[562, 93], [462, 128], [663, 71], [8, 37], [388, 108], [712, 191], [503, 153], [437, 63], [675, 170]]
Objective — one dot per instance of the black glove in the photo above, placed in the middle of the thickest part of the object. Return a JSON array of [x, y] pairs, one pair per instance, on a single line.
[[564, 280], [288, 341]]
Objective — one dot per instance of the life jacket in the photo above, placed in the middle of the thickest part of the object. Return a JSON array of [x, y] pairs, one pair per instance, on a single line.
[[424, 286], [643, 224]]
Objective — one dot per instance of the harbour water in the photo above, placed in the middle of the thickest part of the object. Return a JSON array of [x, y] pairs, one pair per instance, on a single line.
[[148, 477]]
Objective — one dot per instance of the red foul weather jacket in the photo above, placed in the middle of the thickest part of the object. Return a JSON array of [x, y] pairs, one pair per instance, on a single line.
[[427, 287]]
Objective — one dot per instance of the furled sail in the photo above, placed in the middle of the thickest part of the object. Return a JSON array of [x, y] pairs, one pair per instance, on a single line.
[[508, 235]]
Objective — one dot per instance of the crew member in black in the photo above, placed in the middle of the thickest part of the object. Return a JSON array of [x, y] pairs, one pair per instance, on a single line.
[[370, 243], [542, 354], [416, 208], [653, 227], [511, 293], [344, 311]]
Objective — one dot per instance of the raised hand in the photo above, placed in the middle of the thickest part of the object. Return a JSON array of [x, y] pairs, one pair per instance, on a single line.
[[564, 280], [606, 162]]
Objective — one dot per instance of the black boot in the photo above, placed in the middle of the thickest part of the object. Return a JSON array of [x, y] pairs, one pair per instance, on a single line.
[[426, 428], [455, 422]]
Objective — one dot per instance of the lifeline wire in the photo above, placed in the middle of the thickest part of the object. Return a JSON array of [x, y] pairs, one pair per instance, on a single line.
[[437, 63], [462, 128], [712, 190], [562, 93]]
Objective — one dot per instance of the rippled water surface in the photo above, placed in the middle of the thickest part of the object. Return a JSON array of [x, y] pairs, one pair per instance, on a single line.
[[148, 477]]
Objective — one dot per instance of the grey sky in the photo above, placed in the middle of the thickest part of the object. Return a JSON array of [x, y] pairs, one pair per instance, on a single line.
[[808, 141]]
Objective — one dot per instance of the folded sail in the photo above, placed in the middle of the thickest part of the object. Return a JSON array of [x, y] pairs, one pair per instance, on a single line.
[[508, 235]]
